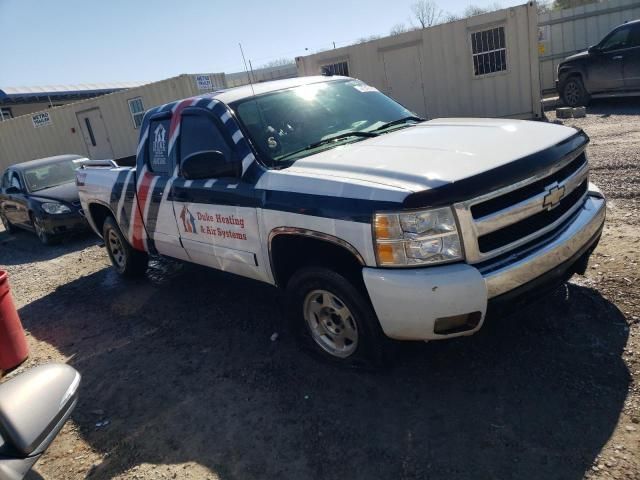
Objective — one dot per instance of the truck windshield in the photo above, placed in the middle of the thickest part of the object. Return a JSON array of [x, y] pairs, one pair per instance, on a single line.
[[289, 124], [50, 175]]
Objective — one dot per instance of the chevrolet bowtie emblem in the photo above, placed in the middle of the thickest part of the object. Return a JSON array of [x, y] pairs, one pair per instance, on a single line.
[[554, 193]]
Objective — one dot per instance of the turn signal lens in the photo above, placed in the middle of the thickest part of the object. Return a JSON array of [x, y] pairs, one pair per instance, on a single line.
[[391, 253]]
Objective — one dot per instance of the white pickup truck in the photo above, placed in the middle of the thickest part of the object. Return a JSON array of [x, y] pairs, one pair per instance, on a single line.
[[378, 224]]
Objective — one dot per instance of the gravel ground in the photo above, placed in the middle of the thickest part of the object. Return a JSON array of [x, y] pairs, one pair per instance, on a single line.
[[182, 380]]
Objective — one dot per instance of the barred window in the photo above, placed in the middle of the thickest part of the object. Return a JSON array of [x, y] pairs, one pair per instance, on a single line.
[[136, 108], [489, 51], [340, 68]]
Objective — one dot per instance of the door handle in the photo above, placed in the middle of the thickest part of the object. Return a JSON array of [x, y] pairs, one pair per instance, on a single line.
[[617, 57]]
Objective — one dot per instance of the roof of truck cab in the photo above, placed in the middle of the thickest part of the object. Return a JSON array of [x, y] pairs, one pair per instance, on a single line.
[[247, 91]]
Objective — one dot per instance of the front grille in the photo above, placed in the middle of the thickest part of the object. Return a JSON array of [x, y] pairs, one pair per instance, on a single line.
[[504, 201], [511, 218], [530, 225]]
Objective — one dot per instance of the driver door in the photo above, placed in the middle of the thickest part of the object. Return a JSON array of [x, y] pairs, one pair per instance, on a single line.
[[607, 63], [217, 217]]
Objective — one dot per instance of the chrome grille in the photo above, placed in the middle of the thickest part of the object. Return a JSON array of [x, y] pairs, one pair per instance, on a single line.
[[512, 217]]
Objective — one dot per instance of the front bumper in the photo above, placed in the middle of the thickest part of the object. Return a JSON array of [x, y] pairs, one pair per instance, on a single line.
[[64, 223], [409, 303]]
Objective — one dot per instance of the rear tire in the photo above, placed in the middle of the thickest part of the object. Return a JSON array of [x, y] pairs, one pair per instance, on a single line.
[[573, 93], [334, 319], [127, 261], [8, 227]]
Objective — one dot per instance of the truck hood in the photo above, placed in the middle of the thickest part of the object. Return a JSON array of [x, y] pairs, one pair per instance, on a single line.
[[434, 153], [576, 56]]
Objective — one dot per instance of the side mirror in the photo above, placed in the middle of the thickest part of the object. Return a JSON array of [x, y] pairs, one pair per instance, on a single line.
[[11, 190], [209, 164], [34, 407], [593, 49]]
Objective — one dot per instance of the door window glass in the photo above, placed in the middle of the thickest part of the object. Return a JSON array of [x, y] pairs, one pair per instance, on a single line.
[[618, 39], [199, 133], [158, 145], [634, 36]]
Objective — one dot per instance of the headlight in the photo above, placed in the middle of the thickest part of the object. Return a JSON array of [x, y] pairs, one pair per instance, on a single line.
[[54, 208], [424, 237]]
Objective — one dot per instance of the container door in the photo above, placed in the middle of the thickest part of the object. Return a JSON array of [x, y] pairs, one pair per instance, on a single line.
[[403, 73], [95, 134]]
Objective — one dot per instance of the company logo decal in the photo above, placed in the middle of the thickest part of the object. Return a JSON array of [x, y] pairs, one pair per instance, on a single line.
[[188, 221], [159, 142]]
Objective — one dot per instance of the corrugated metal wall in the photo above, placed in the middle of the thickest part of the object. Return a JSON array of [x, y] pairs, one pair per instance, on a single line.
[[564, 32], [21, 141], [431, 71], [237, 79]]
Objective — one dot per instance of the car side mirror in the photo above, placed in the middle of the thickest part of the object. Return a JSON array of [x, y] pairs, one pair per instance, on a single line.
[[209, 164], [12, 190], [34, 406], [593, 49]]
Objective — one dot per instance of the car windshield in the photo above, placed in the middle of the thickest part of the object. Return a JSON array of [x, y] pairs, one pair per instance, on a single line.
[[50, 175], [288, 124]]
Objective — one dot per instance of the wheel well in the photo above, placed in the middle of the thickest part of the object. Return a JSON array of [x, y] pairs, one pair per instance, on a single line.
[[290, 252], [99, 214], [577, 75]]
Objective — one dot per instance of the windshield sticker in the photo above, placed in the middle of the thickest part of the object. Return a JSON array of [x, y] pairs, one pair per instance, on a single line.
[[365, 88]]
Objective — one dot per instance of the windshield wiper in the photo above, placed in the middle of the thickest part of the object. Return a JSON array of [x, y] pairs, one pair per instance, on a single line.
[[325, 141], [399, 121]]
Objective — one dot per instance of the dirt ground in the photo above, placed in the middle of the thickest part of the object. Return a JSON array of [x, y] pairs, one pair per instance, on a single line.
[[182, 380]]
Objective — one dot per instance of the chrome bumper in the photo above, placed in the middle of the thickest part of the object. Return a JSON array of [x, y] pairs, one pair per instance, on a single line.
[[510, 275]]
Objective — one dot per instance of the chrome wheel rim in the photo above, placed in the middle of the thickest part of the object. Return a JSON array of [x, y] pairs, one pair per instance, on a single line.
[[116, 250], [5, 222], [331, 323], [572, 93]]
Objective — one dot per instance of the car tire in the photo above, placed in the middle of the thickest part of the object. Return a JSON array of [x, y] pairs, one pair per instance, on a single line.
[[45, 237], [335, 320], [126, 260], [573, 93], [8, 227]]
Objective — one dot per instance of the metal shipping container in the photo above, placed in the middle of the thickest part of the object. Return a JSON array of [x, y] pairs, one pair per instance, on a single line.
[[572, 30], [485, 65], [99, 128]]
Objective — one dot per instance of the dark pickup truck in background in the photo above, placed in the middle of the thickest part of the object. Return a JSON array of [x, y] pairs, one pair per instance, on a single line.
[[610, 68]]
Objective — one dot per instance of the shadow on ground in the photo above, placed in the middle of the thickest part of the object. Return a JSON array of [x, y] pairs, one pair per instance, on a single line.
[[184, 369], [26, 248]]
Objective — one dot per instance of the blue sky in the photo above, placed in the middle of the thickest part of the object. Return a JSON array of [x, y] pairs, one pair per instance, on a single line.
[[75, 41]]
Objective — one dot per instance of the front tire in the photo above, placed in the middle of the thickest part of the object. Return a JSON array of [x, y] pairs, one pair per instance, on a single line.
[[38, 225], [574, 94], [127, 261], [334, 319]]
